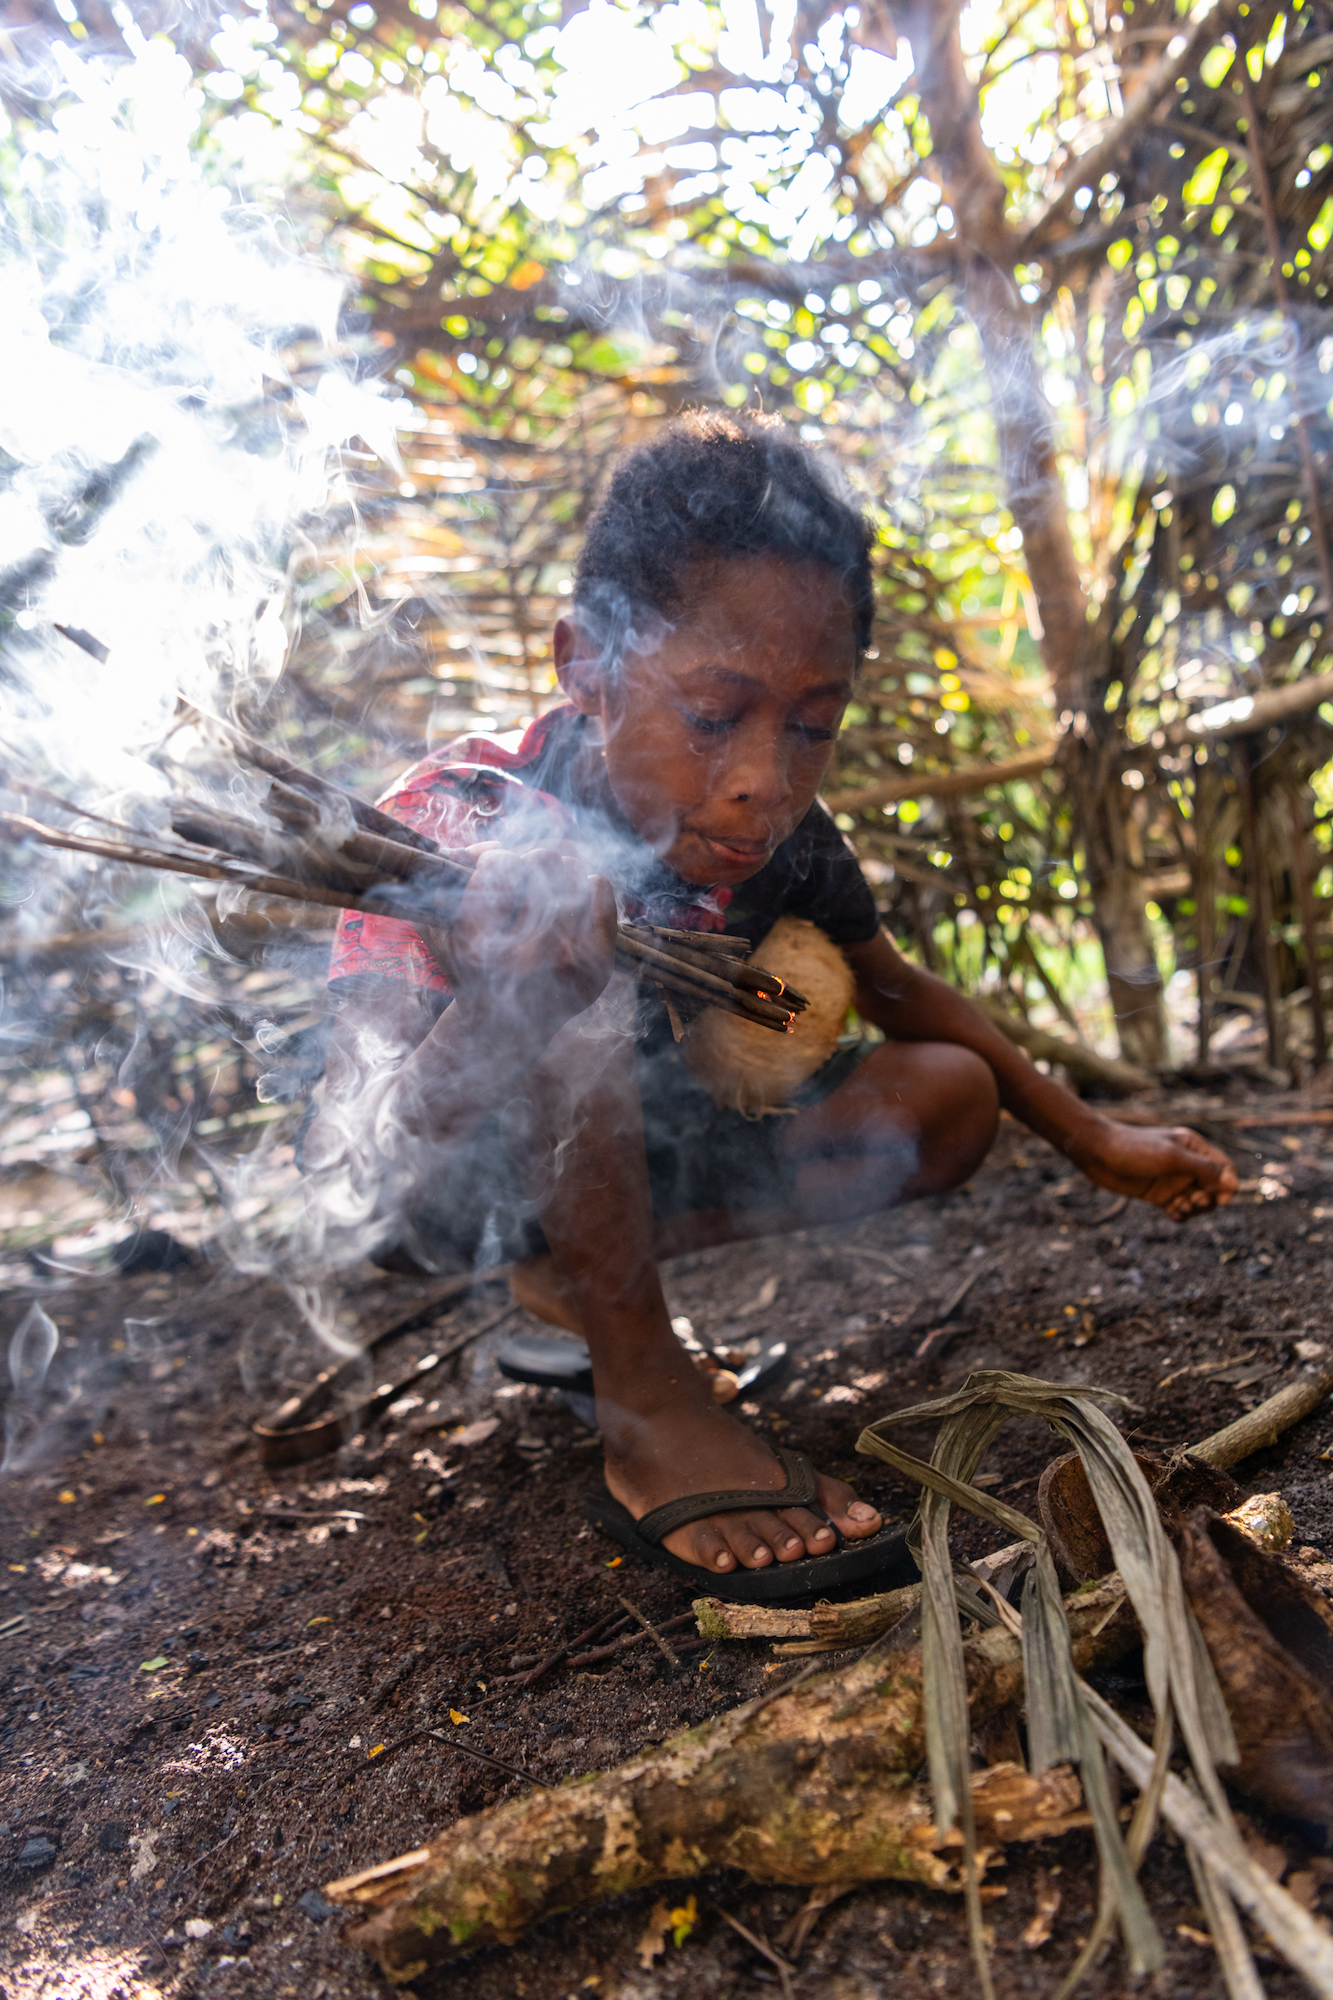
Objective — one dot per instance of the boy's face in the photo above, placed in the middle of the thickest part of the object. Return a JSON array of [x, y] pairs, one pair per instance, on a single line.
[[717, 737]]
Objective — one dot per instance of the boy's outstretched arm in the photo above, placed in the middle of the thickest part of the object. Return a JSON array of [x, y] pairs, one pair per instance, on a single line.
[[1168, 1165]]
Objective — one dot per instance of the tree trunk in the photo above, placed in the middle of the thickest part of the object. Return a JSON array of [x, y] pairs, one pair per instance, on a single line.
[[817, 1785], [1025, 435]]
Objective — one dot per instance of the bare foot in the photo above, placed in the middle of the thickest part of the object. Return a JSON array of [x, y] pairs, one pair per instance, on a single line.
[[677, 1441]]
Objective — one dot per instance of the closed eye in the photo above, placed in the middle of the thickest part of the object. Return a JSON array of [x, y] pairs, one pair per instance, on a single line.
[[709, 725]]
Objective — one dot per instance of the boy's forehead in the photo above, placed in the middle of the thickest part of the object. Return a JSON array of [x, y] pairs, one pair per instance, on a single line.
[[753, 609]]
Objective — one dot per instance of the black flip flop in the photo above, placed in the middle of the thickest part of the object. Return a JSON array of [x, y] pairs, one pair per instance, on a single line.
[[882, 1562], [552, 1363]]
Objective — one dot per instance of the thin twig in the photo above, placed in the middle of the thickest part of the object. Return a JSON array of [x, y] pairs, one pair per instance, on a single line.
[[623, 1645], [531, 1675], [464, 1750], [672, 1659], [765, 1950], [1309, 470]]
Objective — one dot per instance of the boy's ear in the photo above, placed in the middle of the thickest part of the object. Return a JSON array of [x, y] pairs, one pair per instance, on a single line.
[[578, 667]]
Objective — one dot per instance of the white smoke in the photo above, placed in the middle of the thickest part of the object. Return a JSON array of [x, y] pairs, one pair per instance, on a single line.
[[174, 399]]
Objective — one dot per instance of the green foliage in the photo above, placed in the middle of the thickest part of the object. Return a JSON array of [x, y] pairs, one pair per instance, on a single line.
[[559, 227]]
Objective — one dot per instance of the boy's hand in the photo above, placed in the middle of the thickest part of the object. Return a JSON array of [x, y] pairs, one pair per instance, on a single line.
[[1168, 1165], [534, 940]]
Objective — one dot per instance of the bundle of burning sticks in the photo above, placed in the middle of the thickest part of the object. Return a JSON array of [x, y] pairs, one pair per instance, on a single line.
[[317, 843]]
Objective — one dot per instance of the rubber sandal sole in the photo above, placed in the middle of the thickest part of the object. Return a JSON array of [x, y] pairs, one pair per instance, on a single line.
[[553, 1363], [883, 1562]]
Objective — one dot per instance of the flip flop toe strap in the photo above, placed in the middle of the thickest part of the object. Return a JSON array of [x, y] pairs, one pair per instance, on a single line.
[[800, 1489]]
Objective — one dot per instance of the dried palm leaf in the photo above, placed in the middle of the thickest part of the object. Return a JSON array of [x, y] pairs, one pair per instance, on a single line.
[[1180, 1677]]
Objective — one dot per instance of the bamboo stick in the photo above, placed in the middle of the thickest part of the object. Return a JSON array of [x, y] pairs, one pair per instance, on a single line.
[[1305, 903], [1261, 912]]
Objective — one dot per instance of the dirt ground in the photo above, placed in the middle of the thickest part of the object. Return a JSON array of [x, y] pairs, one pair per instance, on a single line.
[[197, 1656]]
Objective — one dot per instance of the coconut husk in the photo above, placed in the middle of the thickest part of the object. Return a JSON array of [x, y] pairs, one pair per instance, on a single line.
[[750, 1070], [1068, 1512], [1270, 1637]]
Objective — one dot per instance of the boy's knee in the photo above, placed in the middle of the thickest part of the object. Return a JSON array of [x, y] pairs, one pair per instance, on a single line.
[[961, 1113]]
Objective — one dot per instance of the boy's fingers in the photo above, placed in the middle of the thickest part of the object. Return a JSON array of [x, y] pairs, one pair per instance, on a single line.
[[605, 915], [1208, 1168]]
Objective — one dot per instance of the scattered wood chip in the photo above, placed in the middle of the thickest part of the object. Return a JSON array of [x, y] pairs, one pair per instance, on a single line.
[[1038, 1931]]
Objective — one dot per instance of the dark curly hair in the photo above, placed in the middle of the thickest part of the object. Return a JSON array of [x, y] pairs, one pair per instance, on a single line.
[[710, 486]]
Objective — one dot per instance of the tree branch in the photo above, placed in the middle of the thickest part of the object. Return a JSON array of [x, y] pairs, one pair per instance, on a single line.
[[959, 783], [1088, 170]]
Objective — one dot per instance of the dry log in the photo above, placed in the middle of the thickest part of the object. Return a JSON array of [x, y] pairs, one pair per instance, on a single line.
[[814, 1785], [1082, 1063]]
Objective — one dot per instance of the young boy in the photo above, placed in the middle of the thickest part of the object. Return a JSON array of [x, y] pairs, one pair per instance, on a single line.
[[496, 1077]]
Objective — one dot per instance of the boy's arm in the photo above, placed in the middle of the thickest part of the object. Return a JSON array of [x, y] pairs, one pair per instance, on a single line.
[[532, 946], [1171, 1166]]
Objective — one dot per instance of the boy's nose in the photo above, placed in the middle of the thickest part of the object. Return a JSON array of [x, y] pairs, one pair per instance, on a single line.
[[758, 776]]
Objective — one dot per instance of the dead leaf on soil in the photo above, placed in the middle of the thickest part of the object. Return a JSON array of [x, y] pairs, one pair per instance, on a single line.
[[794, 1937]]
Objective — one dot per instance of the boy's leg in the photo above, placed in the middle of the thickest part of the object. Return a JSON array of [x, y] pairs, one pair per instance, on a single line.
[[915, 1118], [665, 1437]]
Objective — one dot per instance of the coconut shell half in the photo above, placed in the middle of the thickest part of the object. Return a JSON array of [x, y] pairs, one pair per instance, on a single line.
[[1270, 1637], [749, 1069]]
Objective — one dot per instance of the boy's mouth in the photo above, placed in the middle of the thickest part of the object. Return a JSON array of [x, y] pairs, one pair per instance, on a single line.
[[731, 853]]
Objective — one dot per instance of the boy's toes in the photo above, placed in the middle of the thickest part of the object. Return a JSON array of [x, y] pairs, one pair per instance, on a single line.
[[854, 1518], [809, 1536], [704, 1545]]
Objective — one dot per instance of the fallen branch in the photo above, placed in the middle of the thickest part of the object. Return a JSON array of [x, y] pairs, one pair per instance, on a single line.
[[1264, 1425], [811, 1787], [1247, 715], [828, 1626], [1081, 1062]]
